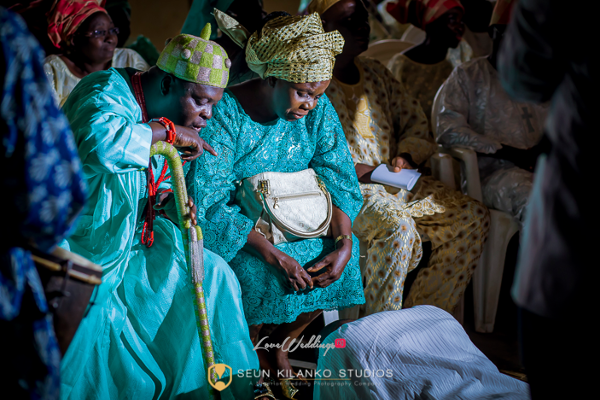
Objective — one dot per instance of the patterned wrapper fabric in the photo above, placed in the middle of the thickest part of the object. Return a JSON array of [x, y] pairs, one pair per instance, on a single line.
[[196, 59], [67, 16], [44, 192], [295, 48], [393, 223], [426, 11]]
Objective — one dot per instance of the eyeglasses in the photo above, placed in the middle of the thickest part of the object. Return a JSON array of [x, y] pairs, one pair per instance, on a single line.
[[103, 33]]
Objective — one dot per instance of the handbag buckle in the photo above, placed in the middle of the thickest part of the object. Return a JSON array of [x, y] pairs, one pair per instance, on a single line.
[[321, 184], [264, 187]]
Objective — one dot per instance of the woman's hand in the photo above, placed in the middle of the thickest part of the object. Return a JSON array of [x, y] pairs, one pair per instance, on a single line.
[[333, 265], [288, 269], [363, 172], [190, 144], [292, 274], [400, 163]]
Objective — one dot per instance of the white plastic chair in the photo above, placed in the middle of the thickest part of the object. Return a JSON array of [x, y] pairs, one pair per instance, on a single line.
[[384, 50], [503, 226]]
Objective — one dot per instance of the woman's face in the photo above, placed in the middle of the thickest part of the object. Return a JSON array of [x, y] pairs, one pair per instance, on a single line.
[[293, 101], [351, 19], [448, 29], [94, 39]]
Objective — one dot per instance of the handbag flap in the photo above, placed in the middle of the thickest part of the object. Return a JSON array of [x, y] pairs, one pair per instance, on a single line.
[[296, 201]]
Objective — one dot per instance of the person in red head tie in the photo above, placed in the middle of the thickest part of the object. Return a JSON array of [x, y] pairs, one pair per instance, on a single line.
[[87, 39]]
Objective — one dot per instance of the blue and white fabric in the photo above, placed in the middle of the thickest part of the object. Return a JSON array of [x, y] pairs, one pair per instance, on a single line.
[[43, 191], [416, 353]]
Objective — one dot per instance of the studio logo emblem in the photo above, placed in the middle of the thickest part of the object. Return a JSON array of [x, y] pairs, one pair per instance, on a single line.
[[219, 370]]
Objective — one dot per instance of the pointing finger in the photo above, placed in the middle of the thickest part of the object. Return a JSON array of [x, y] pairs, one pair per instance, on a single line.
[[210, 149]]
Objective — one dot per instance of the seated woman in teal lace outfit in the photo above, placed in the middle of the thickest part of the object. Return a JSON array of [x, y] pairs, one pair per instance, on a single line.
[[281, 123]]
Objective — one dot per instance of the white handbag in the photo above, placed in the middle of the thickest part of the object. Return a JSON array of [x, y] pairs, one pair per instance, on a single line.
[[286, 206]]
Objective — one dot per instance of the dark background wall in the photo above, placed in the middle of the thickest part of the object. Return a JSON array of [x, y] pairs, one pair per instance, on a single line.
[[159, 20]]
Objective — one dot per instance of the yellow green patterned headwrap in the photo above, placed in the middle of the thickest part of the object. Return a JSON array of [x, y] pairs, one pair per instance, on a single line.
[[196, 59], [294, 48]]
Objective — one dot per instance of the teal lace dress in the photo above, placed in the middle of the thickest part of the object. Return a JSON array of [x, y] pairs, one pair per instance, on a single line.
[[247, 148]]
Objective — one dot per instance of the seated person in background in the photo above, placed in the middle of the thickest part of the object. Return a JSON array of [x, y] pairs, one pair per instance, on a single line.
[[476, 19], [282, 123], [422, 69], [384, 124], [395, 28], [421, 353], [475, 112], [140, 339], [44, 191], [249, 14], [87, 38], [475, 42]]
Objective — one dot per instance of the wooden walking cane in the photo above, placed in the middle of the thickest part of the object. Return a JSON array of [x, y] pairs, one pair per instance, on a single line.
[[194, 252]]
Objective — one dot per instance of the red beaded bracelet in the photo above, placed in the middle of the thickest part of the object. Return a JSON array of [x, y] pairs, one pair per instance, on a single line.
[[169, 126]]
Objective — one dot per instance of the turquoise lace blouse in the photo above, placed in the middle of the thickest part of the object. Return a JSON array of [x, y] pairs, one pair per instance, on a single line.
[[247, 148]]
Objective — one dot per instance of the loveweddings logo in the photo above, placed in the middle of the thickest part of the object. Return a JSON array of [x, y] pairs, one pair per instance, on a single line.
[[313, 343]]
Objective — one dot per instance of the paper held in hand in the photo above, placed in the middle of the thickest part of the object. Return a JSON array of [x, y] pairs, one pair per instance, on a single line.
[[405, 179]]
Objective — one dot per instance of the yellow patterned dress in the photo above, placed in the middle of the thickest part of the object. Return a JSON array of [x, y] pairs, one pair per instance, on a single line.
[[381, 120], [422, 81]]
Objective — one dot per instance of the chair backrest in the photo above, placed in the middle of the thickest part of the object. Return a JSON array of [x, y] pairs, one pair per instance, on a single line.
[[384, 50], [467, 156], [435, 110], [414, 35]]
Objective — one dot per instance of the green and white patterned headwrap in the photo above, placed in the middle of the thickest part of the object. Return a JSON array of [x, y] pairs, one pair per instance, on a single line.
[[196, 59]]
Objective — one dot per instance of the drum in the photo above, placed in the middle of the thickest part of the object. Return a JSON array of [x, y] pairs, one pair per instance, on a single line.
[[69, 281]]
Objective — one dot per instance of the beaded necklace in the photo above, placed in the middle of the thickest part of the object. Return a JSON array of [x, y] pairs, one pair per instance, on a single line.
[[148, 229]]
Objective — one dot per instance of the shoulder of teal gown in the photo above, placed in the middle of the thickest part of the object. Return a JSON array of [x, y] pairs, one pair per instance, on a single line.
[[332, 160], [106, 122], [226, 121], [225, 230]]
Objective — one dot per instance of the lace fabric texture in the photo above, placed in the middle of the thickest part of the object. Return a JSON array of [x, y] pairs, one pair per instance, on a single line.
[[476, 112], [247, 148]]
